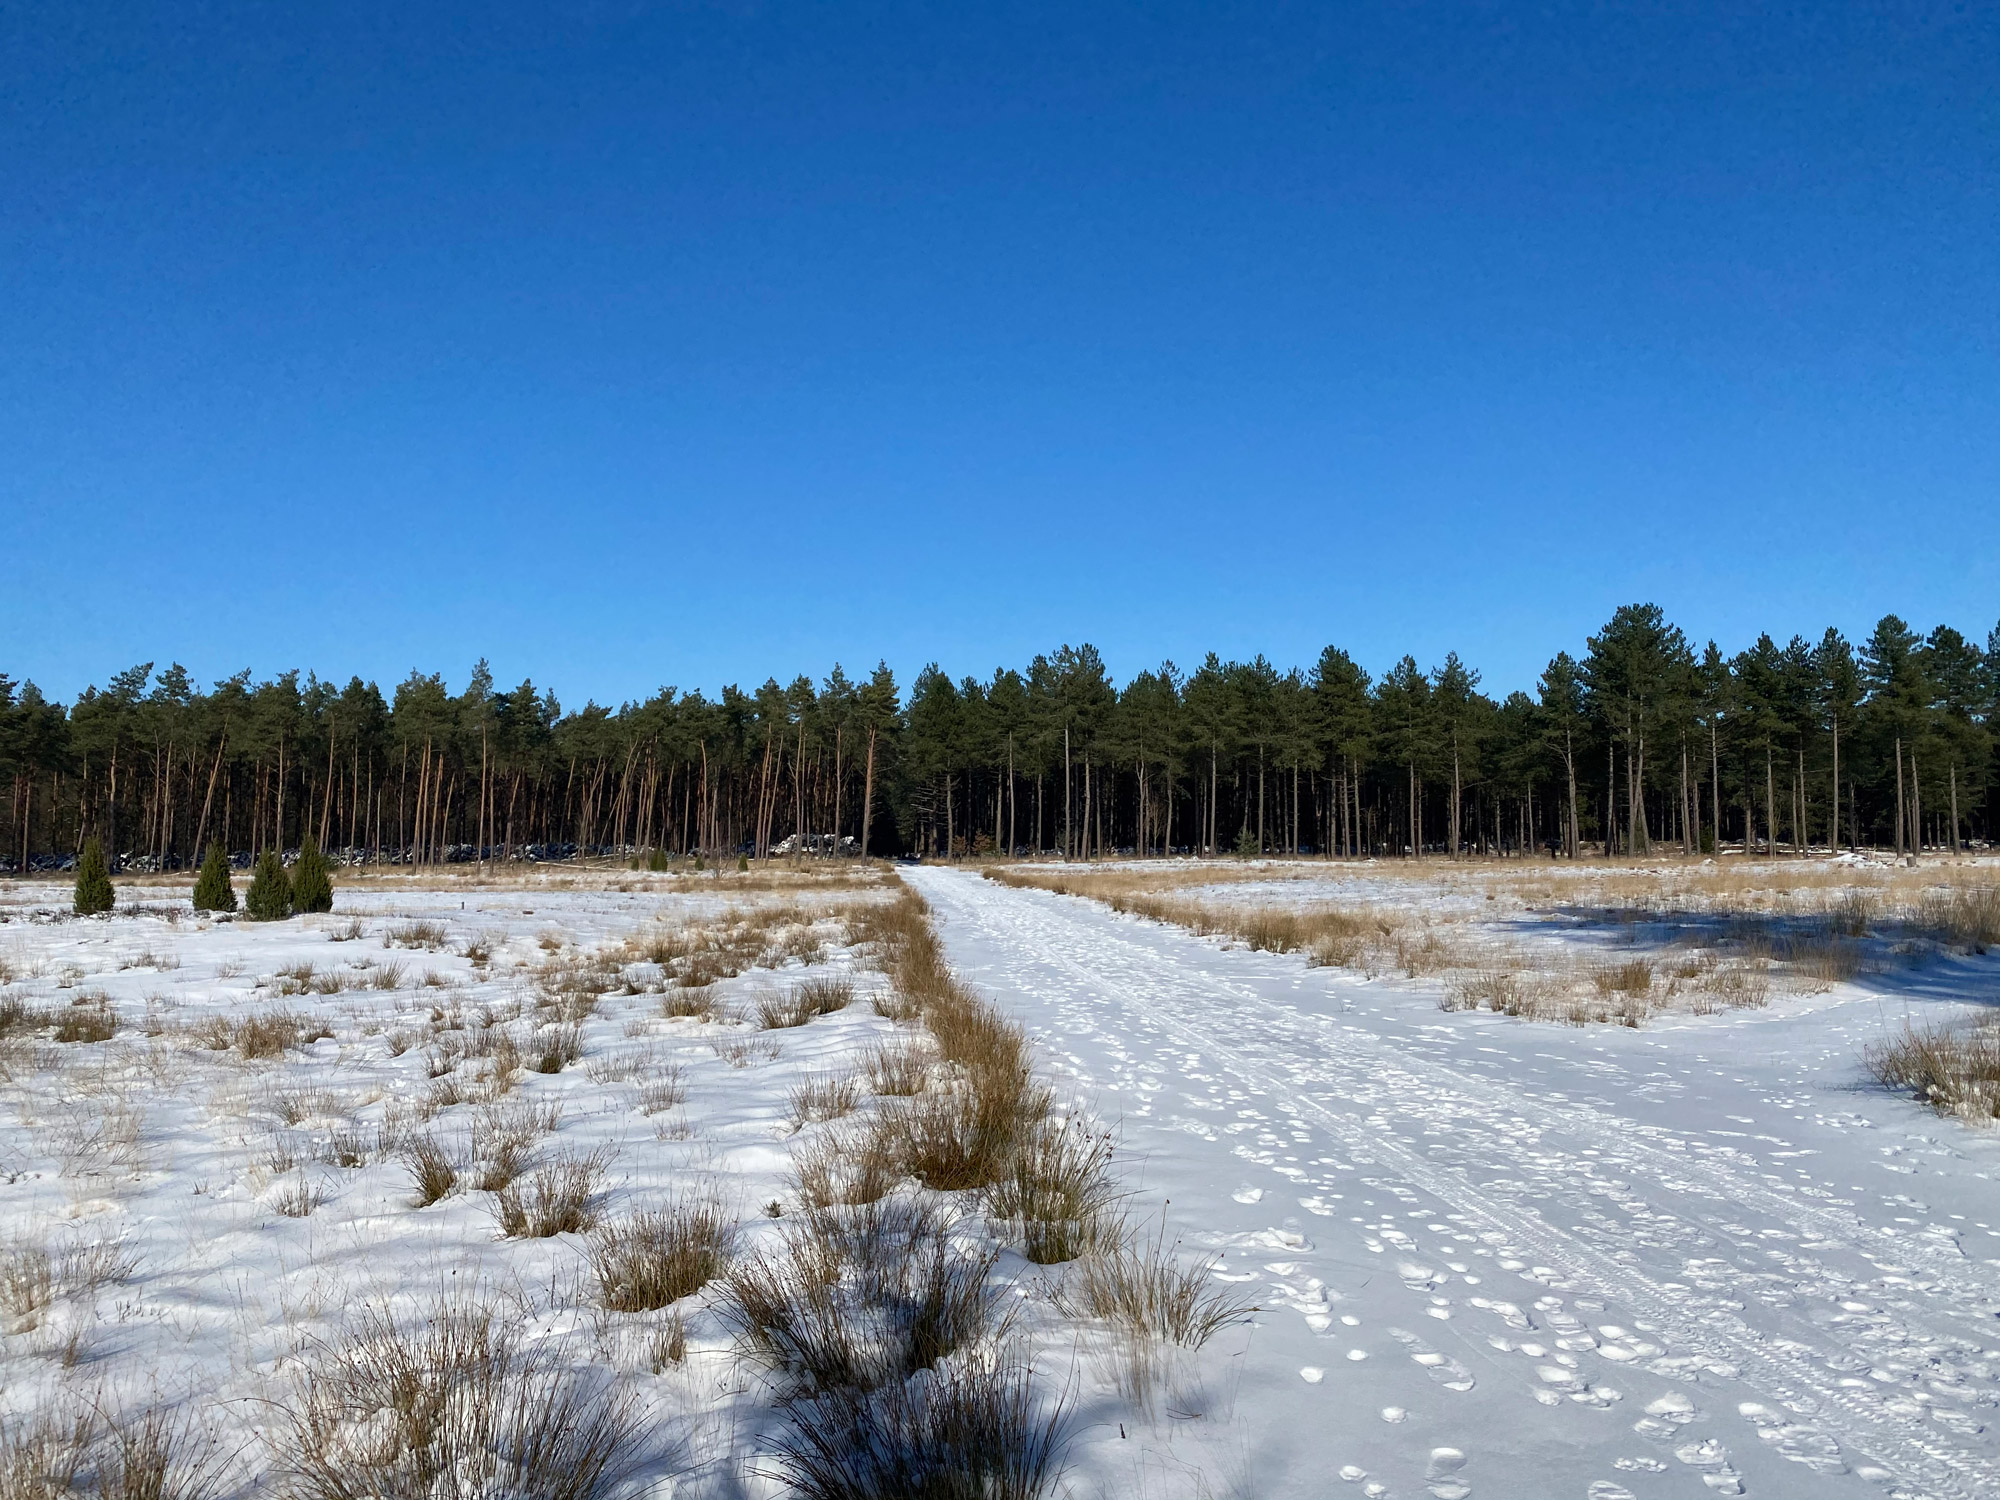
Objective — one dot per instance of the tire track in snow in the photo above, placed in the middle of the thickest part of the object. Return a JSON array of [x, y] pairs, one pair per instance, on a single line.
[[1282, 1051]]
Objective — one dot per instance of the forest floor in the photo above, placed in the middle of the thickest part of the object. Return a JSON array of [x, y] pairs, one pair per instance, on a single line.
[[1699, 1252]]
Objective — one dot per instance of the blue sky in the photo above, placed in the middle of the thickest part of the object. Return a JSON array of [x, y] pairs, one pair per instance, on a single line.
[[629, 345]]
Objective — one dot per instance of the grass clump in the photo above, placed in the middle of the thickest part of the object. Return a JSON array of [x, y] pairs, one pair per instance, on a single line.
[[655, 1258], [862, 1297], [1056, 1192], [87, 1018], [432, 1171], [896, 1071], [557, 1198], [1140, 1285], [454, 1408], [964, 1434], [1955, 1069], [1965, 916], [818, 1100], [556, 1047], [424, 935]]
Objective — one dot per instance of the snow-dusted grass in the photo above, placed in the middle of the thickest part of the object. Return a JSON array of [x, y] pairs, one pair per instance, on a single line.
[[1573, 943]]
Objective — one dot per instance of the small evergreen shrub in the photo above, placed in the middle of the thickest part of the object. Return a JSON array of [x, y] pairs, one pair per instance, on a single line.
[[1246, 845], [742, 863], [93, 881], [270, 898], [312, 883], [212, 890]]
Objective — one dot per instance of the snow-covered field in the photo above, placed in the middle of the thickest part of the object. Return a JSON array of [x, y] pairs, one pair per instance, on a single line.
[[1491, 1256], [197, 1207], [1703, 1255]]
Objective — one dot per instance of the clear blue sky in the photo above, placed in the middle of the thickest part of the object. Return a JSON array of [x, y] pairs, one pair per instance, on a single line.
[[638, 344]]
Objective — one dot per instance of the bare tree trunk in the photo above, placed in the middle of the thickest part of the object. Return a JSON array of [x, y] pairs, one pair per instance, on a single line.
[[1457, 795], [868, 794], [1916, 809], [1901, 821], [1416, 826]]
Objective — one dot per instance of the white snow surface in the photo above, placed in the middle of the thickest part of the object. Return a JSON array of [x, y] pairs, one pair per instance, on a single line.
[[1515, 1259]]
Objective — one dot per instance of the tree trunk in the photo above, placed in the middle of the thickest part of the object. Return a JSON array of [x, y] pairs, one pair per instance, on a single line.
[[867, 791]]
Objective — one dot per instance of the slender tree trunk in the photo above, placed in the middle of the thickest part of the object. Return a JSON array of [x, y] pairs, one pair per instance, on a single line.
[[1901, 819], [1916, 809], [868, 794]]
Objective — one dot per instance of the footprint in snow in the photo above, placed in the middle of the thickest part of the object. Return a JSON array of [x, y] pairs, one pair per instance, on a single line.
[[1666, 1416], [1801, 1444], [1711, 1460], [1441, 1367], [1445, 1474]]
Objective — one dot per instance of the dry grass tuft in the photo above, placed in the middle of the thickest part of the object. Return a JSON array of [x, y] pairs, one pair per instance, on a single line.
[[659, 1094], [847, 1167], [45, 1456], [1056, 1193], [430, 936], [897, 1071], [1141, 1286], [456, 1407], [818, 1100], [558, 1198], [965, 1434], [861, 1297], [267, 1034], [556, 1047], [1955, 1069], [158, 1454], [33, 1277], [658, 1257], [1965, 916], [431, 1169], [87, 1018]]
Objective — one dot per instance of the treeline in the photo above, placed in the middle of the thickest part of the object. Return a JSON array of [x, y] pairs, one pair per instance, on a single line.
[[1637, 744]]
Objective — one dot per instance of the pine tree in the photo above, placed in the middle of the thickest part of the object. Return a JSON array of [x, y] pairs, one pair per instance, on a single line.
[[93, 881], [312, 885], [212, 890], [270, 898]]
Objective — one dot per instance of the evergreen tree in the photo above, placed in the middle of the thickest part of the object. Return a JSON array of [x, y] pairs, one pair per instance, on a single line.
[[270, 898], [312, 885], [212, 890], [93, 881]]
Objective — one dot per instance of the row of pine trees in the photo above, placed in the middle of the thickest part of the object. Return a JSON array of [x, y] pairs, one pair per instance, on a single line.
[[1636, 742]]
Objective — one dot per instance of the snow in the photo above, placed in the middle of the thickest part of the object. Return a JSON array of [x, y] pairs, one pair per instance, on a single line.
[[225, 1290], [1491, 1257], [1496, 1257]]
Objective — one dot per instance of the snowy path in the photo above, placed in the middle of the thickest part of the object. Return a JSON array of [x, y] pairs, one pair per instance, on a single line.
[[1516, 1260]]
